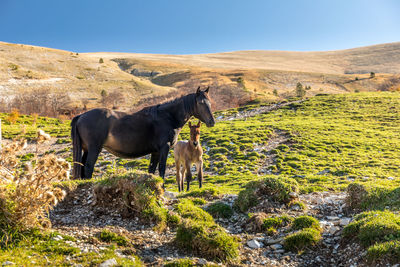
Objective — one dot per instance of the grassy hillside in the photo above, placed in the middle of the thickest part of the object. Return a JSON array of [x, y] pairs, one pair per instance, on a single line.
[[235, 77]]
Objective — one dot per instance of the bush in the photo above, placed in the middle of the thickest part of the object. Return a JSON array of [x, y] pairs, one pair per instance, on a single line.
[[276, 222], [199, 233], [386, 250], [378, 230], [305, 222], [207, 239], [27, 194], [110, 237], [220, 210], [133, 193], [187, 209], [301, 240], [272, 188]]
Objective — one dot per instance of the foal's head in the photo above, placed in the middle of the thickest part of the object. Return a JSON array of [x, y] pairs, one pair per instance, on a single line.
[[203, 107], [194, 133]]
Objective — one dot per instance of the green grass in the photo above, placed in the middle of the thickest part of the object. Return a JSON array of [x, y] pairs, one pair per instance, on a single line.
[[111, 237], [220, 210], [305, 222], [379, 231], [299, 241], [39, 248]]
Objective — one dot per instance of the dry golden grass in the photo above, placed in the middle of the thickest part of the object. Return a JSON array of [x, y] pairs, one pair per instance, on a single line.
[[84, 77], [27, 191]]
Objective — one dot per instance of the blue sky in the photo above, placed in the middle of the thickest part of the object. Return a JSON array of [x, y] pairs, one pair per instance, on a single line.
[[202, 26]]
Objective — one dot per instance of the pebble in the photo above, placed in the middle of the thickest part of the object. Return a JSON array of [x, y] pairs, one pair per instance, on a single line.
[[345, 221], [202, 261], [276, 246], [108, 263], [58, 238], [254, 244]]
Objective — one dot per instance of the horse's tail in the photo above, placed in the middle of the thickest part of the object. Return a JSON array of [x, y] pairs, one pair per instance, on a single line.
[[76, 149]]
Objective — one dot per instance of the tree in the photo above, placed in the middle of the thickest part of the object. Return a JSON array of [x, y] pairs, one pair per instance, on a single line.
[[275, 92], [300, 91], [372, 75], [101, 60]]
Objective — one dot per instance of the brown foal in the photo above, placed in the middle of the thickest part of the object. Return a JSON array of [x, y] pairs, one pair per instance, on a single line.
[[186, 154]]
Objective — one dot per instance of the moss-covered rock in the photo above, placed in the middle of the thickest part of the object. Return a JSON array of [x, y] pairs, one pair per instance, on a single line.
[[220, 210], [277, 189], [133, 193], [379, 231], [188, 210], [305, 222], [302, 240], [207, 239]]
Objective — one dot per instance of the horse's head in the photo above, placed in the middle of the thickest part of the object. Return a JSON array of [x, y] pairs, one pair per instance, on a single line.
[[194, 133], [203, 107]]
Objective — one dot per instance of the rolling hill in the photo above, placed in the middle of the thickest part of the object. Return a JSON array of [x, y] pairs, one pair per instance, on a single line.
[[235, 77]]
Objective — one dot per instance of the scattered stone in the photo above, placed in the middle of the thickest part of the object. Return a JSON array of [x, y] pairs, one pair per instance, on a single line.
[[202, 261], [345, 221], [276, 246], [58, 238], [254, 244], [109, 263]]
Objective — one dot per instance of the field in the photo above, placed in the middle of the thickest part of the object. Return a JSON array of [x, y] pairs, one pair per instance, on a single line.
[[322, 145]]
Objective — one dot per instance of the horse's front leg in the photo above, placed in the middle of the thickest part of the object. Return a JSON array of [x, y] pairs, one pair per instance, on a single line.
[[188, 175], [199, 167], [163, 161], [155, 158]]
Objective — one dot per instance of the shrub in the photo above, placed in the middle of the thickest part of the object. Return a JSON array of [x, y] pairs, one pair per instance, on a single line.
[[207, 239], [187, 209], [199, 233], [305, 222], [378, 230], [272, 188], [276, 222], [386, 250], [27, 195], [133, 193], [220, 209], [301, 240], [13, 116], [110, 237], [101, 60]]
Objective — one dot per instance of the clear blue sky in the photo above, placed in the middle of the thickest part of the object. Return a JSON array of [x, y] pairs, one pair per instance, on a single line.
[[202, 26]]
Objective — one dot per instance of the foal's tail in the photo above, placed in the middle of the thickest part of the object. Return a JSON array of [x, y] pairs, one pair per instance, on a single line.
[[76, 149]]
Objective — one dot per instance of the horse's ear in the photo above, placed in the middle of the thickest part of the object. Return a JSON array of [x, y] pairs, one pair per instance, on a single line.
[[190, 124], [198, 124], [206, 91], [198, 90]]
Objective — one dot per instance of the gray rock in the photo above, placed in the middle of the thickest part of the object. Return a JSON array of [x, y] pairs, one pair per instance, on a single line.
[[202, 261], [276, 246], [254, 244], [108, 263], [273, 241], [345, 221]]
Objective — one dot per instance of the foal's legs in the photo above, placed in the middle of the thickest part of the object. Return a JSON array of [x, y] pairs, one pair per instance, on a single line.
[[188, 174], [178, 172], [155, 158], [199, 168], [92, 155]]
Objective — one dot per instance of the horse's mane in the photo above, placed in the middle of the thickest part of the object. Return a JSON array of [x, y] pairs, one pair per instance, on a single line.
[[187, 100]]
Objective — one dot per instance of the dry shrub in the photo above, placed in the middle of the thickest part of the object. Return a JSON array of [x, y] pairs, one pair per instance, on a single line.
[[26, 191], [255, 223], [355, 195], [13, 116]]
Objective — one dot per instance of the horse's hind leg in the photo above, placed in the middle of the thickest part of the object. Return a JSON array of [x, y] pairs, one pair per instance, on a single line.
[[93, 154], [155, 158], [83, 161]]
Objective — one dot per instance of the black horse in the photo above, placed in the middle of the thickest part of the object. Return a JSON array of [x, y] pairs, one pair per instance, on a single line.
[[153, 130]]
